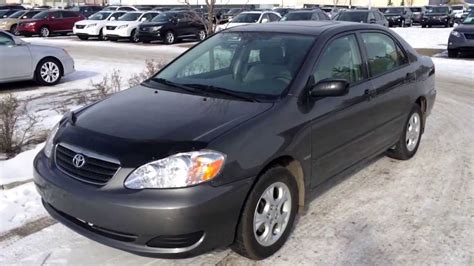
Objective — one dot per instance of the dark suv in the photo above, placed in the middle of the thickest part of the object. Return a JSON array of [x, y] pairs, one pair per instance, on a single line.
[[172, 26], [231, 141], [438, 15], [399, 16], [86, 10]]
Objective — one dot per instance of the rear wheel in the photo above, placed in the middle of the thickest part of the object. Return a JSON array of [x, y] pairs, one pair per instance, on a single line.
[[48, 72], [268, 215], [170, 38], [452, 53], [410, 138], [44, 32]]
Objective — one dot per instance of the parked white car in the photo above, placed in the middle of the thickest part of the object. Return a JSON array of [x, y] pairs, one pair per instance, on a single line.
[[126, 27], [250, 17], [95, 24], [23, 61]]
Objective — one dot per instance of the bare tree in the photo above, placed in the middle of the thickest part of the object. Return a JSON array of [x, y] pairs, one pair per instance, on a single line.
[[209, 20]]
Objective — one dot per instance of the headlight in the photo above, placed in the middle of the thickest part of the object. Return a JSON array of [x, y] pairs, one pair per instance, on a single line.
[[48, 147], [156, 28], [456, 34], [91, 25], [122, 26], [180, 170]]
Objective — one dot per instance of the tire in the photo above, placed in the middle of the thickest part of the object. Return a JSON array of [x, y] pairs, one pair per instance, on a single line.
[[410, 139], [170, 37], [82, 37], [423, 25], [201, 35], [44, 32], [134, 37], [251, 242], [453, 53], [55, 74], [14, 30], [112, 39]]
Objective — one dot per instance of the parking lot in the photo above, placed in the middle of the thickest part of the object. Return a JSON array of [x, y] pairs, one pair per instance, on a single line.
[[413, 212]]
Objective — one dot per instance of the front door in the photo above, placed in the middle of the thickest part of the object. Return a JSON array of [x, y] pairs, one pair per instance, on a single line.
[[342, 128], [18, 56]]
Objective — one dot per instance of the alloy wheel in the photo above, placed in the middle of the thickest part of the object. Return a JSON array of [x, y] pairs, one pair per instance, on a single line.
[[413, 132], [202, 35], [44, 32], [49, 72], [272, 214], [169, 37]]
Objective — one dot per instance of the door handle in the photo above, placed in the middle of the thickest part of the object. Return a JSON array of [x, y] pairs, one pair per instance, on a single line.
[[370, 94]]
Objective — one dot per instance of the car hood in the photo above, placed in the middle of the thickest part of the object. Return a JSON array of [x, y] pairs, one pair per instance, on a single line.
[[89, 22], [155, 123], [465, 28]]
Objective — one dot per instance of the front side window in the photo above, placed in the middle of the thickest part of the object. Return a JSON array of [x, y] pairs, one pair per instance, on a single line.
[[18, 14], [5, 40], [252, 63], [340, 60], [383, 53], [41, 15], [356, 16]]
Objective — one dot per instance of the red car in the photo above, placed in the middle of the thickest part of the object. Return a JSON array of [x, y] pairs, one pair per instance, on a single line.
[[50, 21]]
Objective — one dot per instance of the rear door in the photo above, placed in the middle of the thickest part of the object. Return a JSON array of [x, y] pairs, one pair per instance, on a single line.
[[341, 128], [392, 78], [55, 21], [15, 59], [69, 18]]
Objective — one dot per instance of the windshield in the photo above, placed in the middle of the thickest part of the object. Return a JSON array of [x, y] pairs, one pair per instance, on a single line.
[[41, 15], [100, 16], [110, 8], [297, 16], [353, 16], [394, 11], [457, 7], [415, 9], [246, 18], [163, 17], [17, 14], [132, 16], [254, 64], [469, 20], [443, 10]]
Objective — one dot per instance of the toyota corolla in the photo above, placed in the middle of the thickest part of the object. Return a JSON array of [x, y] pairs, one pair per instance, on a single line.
[[226, 144]]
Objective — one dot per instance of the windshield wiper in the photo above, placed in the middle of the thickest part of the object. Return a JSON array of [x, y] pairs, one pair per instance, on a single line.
[[173, 84], [222, 91]]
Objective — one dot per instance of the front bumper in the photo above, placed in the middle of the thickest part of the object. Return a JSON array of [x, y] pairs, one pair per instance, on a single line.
[[130, 219], [118, 33], [434, 21], [92, 31], [149, 36], [463, 43], [394, 21]]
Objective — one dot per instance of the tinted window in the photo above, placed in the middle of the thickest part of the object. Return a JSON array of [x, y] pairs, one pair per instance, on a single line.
[[69, 14], [443, 10], [117, 15], [353, 16], [41, 15], [264, 66], [5, 40], [18, 14], [126, 8], [130, 16], [382, 53], [298, 16], [415, 9], [246, 18], [340, 60]]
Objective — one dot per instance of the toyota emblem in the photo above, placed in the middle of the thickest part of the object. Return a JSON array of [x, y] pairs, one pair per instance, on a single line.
[[79, 160]]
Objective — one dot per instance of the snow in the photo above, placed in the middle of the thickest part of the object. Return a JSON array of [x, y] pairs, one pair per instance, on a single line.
[[433, 38], [19, 205], [18, 168]]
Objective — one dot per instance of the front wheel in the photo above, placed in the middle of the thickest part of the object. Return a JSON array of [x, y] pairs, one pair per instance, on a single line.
[[410, 138], [201, 35], [44, 32], [170, 38], [48, 72], [268, 215], [134, 37]]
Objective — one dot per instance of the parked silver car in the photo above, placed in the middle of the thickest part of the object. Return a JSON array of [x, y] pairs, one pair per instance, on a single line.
[[23, 61]]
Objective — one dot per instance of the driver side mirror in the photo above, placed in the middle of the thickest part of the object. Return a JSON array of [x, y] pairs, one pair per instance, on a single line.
[[329, 88], [265, 20]]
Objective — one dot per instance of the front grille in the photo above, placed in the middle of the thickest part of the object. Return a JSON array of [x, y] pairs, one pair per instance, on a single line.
[[94, 171], [469, 36], [80, 27], [111, 27]]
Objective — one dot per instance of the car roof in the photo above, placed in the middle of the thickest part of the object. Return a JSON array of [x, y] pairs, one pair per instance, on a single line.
[[314, 28]]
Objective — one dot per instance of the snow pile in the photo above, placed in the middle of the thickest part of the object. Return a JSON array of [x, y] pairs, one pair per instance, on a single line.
[[19, 168], [19, 205]]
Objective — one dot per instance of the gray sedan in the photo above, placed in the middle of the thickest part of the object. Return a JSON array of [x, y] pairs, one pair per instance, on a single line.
[[23, 61]]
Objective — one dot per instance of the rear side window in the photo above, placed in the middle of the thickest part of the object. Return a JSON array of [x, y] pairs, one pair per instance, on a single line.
[[383, 53], [340, 60], [69, 14]]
